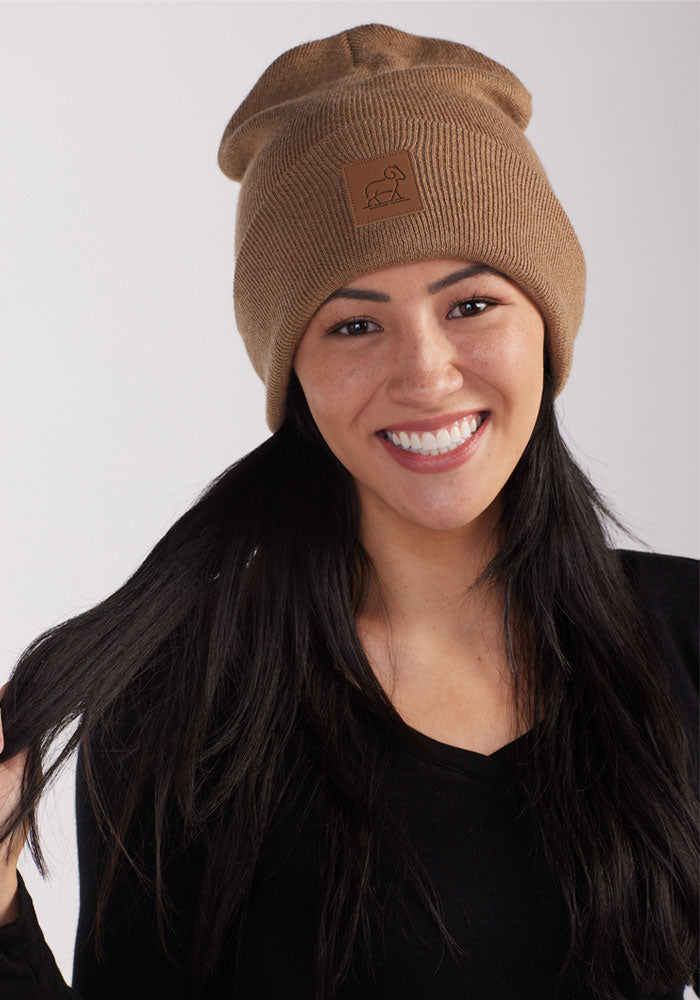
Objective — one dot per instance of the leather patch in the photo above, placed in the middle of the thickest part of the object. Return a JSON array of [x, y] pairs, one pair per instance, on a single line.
[[382, 187]]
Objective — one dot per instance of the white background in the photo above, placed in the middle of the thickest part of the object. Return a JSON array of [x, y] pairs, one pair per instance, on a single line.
[[125, 387]]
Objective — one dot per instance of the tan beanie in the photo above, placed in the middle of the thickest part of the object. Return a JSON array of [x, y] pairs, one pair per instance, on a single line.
[[375, 147]]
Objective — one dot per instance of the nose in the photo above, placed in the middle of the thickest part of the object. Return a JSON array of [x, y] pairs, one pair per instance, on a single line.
[[425, 369]]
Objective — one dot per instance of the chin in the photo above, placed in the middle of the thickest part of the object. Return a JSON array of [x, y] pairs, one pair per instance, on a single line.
[[447, 520]]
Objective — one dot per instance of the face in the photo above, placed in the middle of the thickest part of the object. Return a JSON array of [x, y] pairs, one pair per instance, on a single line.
[[425, 382]]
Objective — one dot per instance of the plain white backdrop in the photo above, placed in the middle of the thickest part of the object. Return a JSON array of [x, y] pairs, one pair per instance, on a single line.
[[125, 387]]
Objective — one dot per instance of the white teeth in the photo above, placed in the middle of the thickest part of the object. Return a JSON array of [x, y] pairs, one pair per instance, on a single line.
[[443, 438], [441, 441]]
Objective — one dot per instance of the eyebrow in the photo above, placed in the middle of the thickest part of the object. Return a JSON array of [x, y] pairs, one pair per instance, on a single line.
[[436, 286]]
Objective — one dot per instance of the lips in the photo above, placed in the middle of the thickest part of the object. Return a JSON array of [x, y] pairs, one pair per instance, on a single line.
[[439, 442], [442, 452], [434, 423]]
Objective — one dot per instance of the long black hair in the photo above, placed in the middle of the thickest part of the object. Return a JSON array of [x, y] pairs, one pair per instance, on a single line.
[[232, 652]]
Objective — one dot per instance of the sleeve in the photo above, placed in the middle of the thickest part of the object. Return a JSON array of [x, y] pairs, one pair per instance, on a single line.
[[133, 962], [28, 970], [667, 588]]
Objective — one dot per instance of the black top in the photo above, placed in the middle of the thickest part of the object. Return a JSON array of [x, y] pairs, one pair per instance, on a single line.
[[460, 809]]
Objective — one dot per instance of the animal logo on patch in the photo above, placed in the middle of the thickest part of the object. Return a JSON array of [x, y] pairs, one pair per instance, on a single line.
[[379, 192], [382, 187]]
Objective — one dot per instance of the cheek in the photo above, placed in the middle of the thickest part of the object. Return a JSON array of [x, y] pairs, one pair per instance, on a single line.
[[336, 389], [510, 359]]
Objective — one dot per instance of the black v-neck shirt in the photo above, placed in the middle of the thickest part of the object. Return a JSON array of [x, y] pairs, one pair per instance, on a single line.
[[462, 811]]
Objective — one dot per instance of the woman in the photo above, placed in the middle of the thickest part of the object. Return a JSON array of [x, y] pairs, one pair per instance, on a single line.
[[383, 714]]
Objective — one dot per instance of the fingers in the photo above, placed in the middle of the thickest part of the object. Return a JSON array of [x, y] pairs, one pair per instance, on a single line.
[[2, 738], [11, 775]]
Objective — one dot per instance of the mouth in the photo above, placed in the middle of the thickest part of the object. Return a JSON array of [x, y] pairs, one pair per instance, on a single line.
[[439, 441]]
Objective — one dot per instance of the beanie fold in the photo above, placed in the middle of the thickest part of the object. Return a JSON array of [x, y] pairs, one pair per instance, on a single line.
[[477, 200]]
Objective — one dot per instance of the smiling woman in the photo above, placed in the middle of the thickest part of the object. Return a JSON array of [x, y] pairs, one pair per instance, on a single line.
[[429, 405], [426, 368], [439, 738]]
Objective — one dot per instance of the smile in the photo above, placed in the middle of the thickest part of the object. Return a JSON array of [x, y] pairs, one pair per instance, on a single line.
[[437, 442]]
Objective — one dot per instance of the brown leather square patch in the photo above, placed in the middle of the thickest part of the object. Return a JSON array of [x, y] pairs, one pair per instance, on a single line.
[[382, 187]]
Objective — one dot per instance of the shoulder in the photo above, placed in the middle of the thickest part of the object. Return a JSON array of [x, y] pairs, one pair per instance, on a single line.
[[667, 592], [667, 589], [655, 572]]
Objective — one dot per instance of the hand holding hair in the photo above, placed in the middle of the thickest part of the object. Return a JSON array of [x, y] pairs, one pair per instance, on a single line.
[[10, 786]]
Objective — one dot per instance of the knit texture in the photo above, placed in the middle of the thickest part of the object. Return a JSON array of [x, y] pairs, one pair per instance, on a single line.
[[374, 147]]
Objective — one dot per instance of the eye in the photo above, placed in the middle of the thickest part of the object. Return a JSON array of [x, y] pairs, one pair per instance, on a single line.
[[477, 305], [356, 321], [357, 326]]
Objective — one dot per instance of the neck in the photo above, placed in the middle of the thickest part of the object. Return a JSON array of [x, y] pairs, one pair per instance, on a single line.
[[424, 576]]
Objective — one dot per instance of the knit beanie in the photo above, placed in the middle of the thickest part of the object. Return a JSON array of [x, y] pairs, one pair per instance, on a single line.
[[374, 147]]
